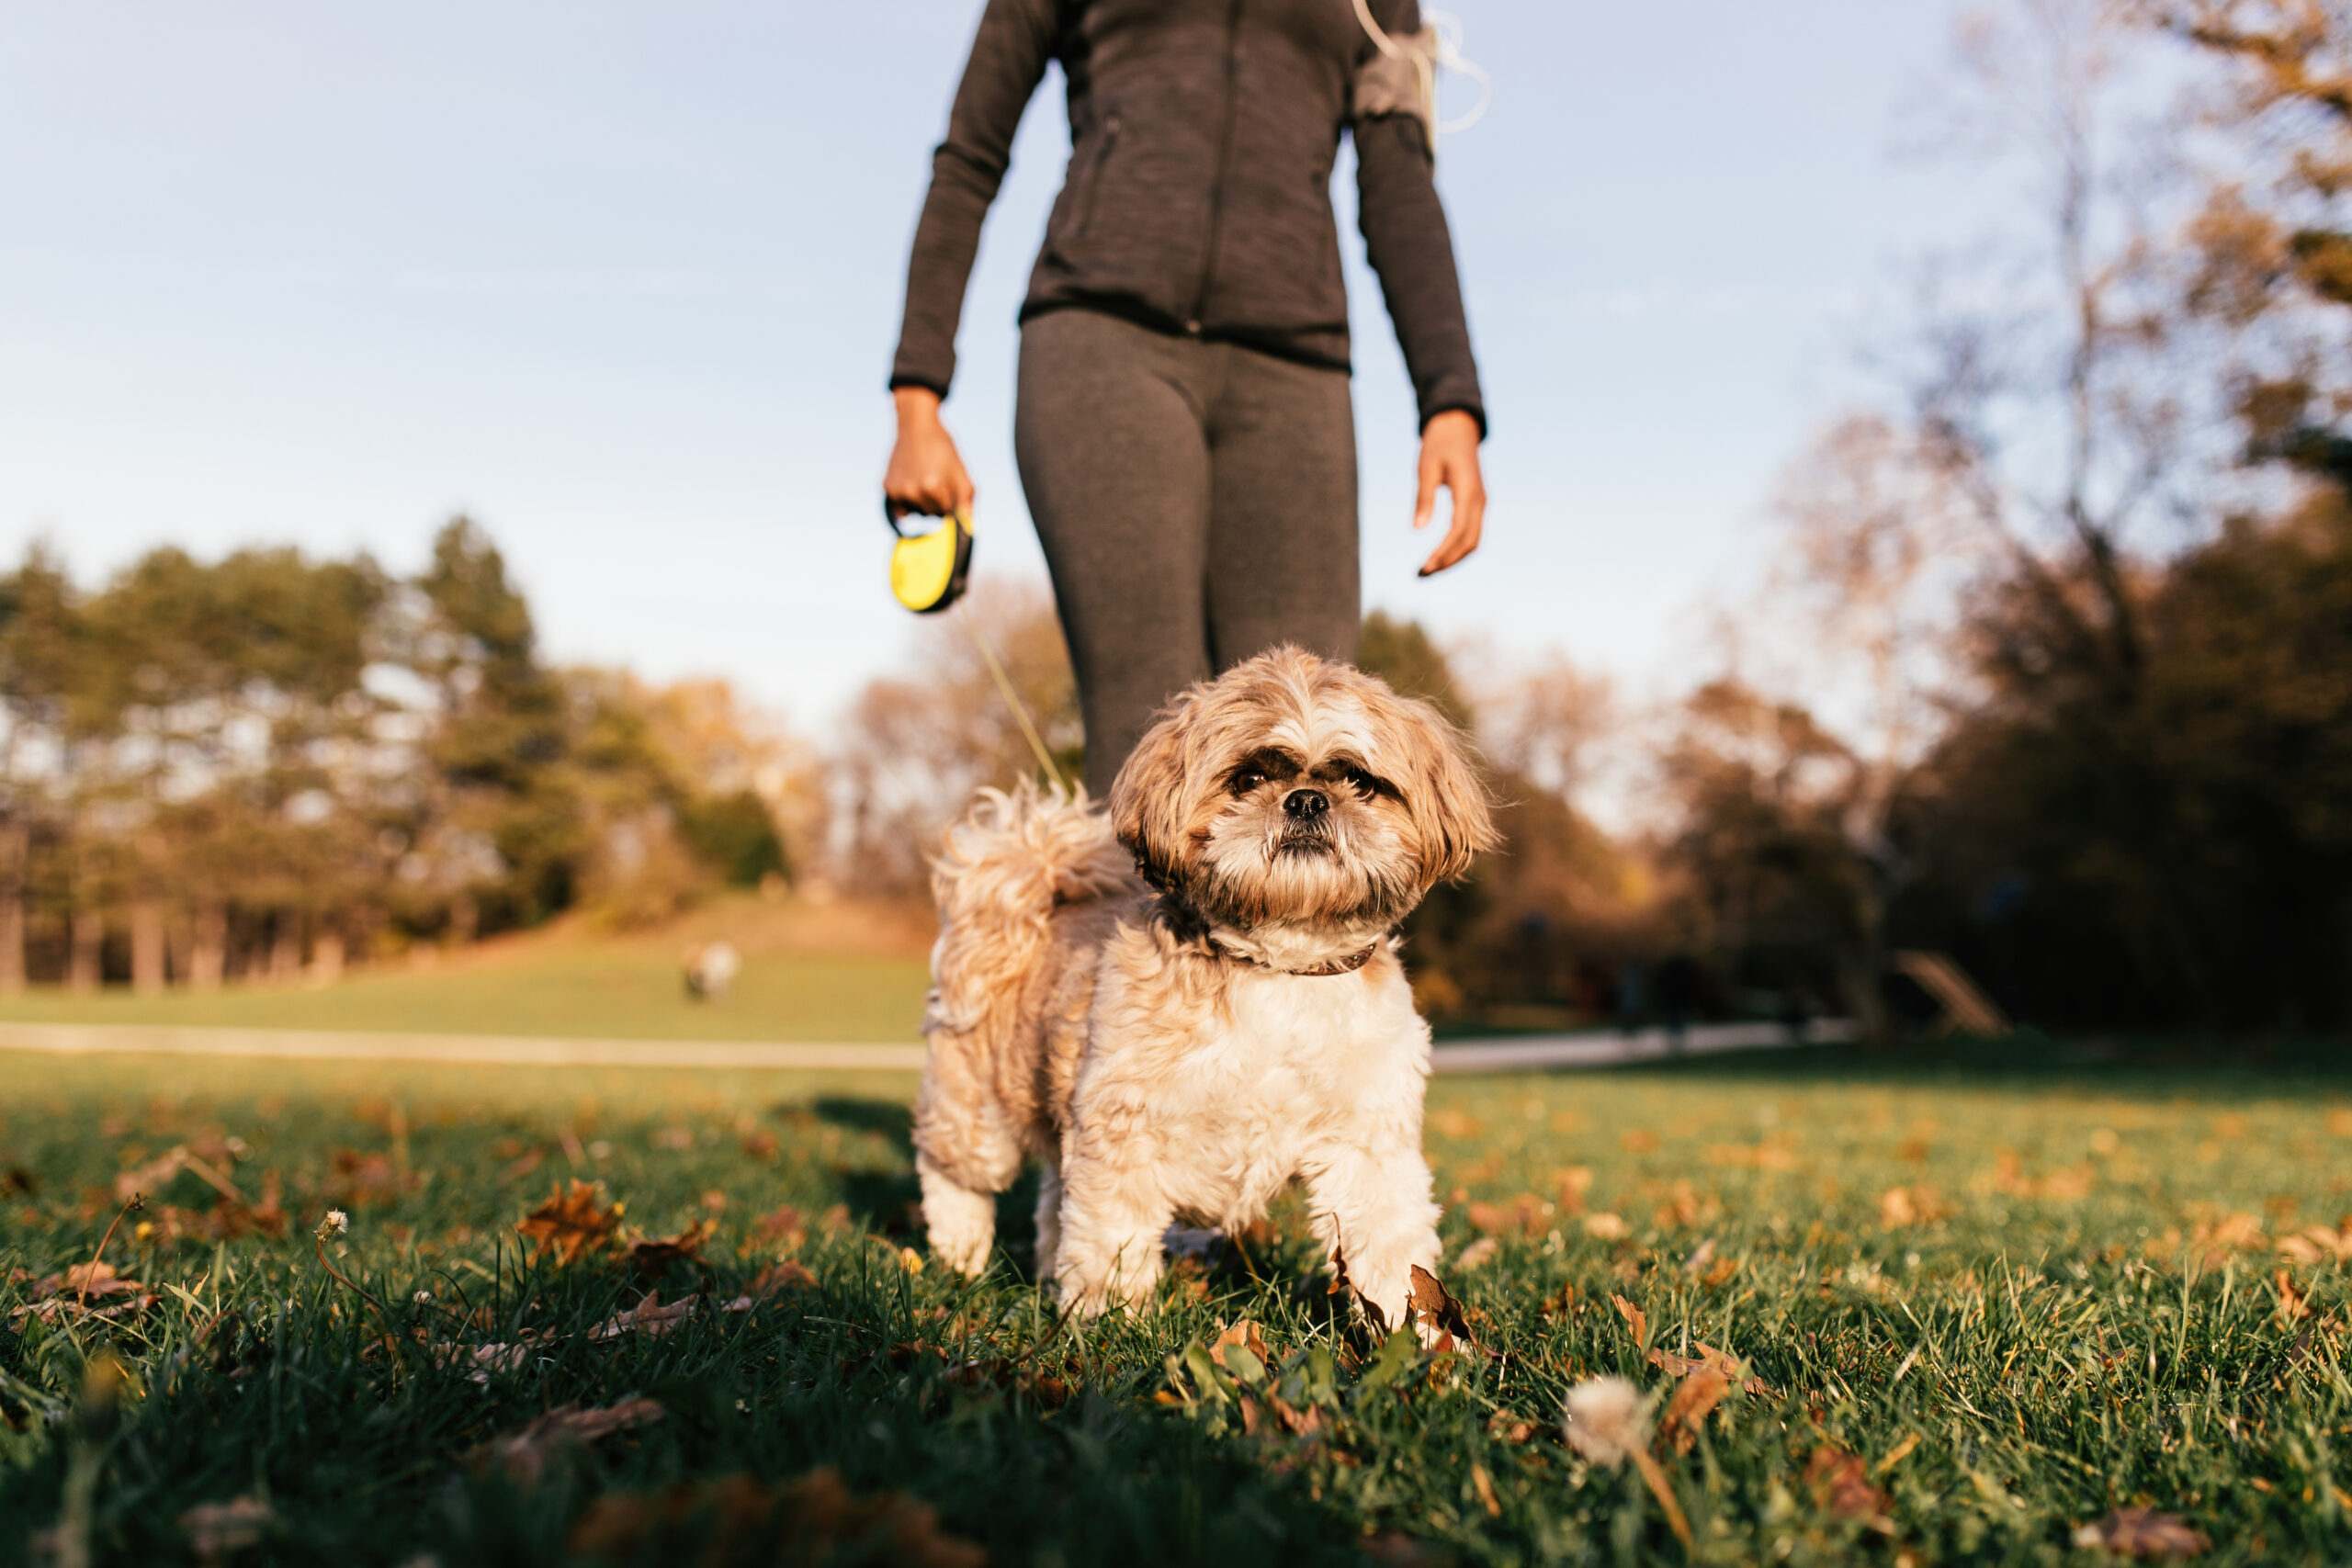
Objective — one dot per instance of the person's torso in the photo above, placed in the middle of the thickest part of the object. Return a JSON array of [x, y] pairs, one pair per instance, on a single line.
[[1198, 193]]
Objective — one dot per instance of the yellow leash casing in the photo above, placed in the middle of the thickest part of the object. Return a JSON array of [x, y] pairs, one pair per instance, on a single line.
[[928, 571]]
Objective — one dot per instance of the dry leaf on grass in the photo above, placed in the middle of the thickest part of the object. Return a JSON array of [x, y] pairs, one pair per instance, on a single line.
[[1635, 1318], [569, 1223], [480, 1360], [1240, 1348], [1606, 1227], [785, 1274], [2141, 1532], [650, 1255], [1433, 1305], [1394, 1549], [1728, 1366], [781, 1227], [1574, 1183], [218, 1531], [738, 1522], [524, 1456], [2317, 1244], [85, 1290], [648, 1316], [1914, 1205], [1478, 1254], [1525, 1215], [1841, 1485], [1693, 1402]]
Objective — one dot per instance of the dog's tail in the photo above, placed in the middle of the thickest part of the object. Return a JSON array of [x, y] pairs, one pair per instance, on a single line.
[[1006, 867]]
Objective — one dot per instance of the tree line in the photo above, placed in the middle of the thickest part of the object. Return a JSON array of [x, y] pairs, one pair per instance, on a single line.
[[268, 766]]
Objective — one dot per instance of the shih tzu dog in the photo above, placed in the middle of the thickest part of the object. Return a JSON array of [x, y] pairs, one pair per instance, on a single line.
[[1181, 1004]]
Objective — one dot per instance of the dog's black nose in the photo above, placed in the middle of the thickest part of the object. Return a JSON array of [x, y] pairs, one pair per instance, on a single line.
[[1307, 805]]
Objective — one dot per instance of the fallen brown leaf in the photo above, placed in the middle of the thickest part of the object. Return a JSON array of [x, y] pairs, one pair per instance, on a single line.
[[1840, 1485], [2141, 1532], [524, 1456], [1242, 1335], [738, 1522], [218, 1531], [569, 1223], [1634, 1317], [1525, 1215], [648, 1316], [2317, 1244], [85, 1290], [650, 1255], [782, 1227], [785, 1274], [1693, 1402], [1432, 1303]]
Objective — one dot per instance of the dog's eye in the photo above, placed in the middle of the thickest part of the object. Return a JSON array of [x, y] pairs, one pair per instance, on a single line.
[[1363, 784], [1246, 780]]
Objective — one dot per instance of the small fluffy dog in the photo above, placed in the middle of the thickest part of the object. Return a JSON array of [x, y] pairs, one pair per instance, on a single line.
[[1180, 1005]]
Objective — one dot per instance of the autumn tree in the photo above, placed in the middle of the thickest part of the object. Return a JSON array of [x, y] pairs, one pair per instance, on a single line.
[[916, 745]]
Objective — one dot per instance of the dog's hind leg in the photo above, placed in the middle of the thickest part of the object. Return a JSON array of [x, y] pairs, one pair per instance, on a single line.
[[1050, 1217], [962, 1222]]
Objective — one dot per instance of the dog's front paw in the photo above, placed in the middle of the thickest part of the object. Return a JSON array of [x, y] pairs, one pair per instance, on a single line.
[[960, 1223]]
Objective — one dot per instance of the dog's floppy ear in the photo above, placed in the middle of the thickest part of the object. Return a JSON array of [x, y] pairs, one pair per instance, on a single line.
[[1452, 812], [1149, 807]]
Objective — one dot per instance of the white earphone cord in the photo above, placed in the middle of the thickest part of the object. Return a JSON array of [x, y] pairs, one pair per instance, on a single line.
[[1447, 30]]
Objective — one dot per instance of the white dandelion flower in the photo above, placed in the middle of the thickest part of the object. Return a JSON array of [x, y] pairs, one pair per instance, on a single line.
[[1605, 1420], [338, 1221]]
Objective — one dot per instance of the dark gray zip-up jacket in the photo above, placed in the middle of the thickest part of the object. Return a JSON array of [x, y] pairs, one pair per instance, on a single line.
[[1198, 196]]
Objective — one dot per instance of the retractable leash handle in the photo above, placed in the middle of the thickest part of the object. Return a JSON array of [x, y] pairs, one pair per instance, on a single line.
[[929, 571]]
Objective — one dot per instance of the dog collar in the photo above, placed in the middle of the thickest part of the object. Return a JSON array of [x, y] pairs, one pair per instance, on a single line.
[[1347, 966]]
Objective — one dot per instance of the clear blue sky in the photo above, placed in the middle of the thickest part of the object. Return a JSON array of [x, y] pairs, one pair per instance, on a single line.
[[622, 279]]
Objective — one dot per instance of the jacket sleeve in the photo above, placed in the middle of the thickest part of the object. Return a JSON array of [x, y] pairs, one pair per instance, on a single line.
[[1008, 60], [1411, 248]]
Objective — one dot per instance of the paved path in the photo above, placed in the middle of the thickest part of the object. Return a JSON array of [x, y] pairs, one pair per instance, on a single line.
[[1517, 1054], [496, 1050], [1521, 1052]]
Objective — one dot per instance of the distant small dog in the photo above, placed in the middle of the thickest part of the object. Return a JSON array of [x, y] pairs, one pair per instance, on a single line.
[[1182, 1045], [711, 971]]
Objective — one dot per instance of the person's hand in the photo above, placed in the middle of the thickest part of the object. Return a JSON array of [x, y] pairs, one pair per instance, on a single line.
[[1449, 459], [926, 473]]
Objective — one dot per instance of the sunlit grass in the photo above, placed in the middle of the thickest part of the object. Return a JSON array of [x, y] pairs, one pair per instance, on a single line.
[[2018, 1303], [608, 990]]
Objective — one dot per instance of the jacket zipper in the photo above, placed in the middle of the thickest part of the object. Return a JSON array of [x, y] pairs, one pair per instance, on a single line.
[[1224, 159], [1102, 151]]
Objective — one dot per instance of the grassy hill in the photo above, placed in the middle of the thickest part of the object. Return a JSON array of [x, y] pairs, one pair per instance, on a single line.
[[841, 972]]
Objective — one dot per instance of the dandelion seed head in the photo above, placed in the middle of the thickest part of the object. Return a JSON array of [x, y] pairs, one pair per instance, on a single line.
[[338, 1220], [1605, 1421]]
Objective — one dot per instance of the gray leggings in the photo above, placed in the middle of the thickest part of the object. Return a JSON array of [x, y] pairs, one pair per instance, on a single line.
[[1197, 504]]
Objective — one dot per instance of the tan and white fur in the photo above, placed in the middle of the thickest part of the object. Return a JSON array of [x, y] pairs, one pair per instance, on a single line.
[[1181, 1004]]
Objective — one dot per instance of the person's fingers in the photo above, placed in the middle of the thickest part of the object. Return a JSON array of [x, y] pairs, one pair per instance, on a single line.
[[1425, 502], [1468, 526]]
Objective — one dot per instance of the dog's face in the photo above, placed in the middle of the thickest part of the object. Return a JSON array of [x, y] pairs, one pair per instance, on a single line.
[[1297, 792]]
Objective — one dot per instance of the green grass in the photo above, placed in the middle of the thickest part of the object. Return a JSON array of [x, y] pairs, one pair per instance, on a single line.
[[2046, 1338], [611, 989]]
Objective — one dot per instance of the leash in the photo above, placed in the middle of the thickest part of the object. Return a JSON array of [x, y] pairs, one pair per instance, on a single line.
[[1012, 700]]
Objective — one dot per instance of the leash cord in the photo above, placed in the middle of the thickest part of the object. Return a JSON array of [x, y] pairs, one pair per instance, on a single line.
[[1012, 700]]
